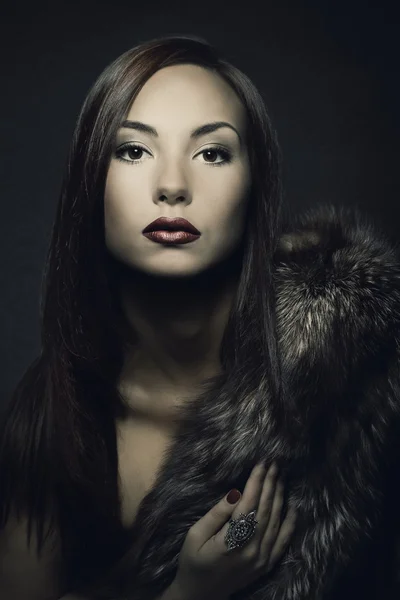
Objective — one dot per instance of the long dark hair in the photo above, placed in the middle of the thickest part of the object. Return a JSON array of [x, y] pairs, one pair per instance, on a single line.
[[58, 457]]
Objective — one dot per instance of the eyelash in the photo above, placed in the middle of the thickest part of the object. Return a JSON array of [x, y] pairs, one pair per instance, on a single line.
[[226, 155]]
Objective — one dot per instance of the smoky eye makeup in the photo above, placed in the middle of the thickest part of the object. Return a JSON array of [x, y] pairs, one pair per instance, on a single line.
[[214, 150]]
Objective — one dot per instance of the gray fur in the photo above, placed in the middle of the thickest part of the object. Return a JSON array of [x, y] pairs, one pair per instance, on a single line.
[[338, 315]]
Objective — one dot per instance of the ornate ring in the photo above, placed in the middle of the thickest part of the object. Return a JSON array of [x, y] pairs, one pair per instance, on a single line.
[[240, 530]]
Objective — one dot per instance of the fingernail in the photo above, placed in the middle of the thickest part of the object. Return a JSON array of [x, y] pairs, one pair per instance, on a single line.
[[233, 496]]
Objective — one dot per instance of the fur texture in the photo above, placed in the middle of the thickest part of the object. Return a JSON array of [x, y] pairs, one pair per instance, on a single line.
[[338, 314]]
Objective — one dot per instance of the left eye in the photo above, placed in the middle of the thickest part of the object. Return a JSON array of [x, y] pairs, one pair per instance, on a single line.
[[226, 156]]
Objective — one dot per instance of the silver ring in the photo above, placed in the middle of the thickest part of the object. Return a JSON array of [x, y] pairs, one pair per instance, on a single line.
[[240, 530]]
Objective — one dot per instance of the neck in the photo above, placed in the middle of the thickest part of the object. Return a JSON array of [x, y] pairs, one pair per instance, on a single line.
[[177, 324]]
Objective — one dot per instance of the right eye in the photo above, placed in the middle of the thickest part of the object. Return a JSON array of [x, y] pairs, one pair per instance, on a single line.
[[134, 150]]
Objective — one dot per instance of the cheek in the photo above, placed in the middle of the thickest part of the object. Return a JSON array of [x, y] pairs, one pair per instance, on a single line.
[[119, 205], [230, 202], [119, 216]]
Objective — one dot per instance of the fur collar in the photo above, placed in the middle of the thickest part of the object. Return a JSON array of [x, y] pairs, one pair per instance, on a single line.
[[338, 316]]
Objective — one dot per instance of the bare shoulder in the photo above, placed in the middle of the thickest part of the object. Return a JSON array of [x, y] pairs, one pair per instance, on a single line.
[[24, 575]]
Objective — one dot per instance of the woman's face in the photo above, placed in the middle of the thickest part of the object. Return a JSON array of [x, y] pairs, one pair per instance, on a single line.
[[204, 179]]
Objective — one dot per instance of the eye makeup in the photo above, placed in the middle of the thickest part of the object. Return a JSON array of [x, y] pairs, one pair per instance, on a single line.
[[130, 146]]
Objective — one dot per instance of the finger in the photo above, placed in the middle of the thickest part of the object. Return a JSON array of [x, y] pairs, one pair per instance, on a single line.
[[210, 524], [249, 500], [284, 536], [252, 491], [254, 487], [271, 517], [268, 498]]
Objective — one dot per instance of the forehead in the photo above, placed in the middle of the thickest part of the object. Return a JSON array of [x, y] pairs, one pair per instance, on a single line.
[[191, 93]]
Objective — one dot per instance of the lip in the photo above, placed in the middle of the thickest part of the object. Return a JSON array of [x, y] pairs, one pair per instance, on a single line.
[[171, 224], [171, 237]]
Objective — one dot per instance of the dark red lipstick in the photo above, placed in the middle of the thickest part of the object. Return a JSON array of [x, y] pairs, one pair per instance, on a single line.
[[171, 231]]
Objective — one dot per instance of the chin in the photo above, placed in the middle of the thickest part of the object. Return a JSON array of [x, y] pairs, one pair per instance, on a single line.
[[178, 271]]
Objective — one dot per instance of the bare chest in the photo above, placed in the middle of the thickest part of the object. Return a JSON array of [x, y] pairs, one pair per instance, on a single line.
[[142, 447]]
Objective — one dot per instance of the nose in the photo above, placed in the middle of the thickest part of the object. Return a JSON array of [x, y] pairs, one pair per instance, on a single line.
[[172, 185]]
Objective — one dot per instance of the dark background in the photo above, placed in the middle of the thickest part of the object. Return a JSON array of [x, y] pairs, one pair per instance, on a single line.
[[327, 69]]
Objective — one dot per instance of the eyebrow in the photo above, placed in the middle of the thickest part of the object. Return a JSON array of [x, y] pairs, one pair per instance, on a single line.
[[196, 133]]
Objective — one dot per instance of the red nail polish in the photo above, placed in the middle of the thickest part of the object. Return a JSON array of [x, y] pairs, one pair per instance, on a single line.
[[233, 496]]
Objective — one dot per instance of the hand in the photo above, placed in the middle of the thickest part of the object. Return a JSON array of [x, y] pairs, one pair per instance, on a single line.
[[206, 568]]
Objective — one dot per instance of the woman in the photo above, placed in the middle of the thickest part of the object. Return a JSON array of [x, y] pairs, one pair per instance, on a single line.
[[168, 369]]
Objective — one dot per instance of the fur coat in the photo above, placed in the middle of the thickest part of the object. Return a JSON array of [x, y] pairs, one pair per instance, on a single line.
[[338, 317]]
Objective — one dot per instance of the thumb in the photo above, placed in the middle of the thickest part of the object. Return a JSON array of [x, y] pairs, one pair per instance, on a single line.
[[216, 517]]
